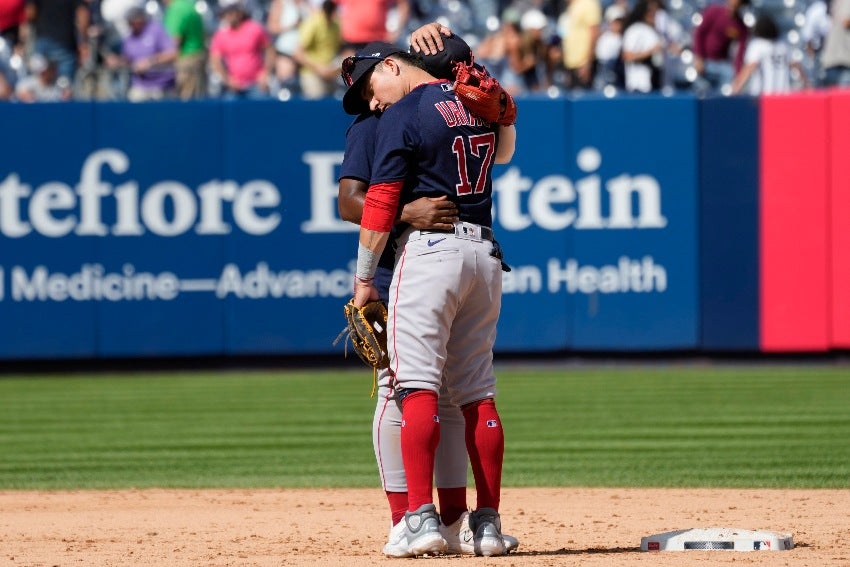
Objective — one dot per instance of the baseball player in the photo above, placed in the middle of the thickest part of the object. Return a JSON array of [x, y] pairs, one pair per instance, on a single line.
[[445, 294], [436, 213]]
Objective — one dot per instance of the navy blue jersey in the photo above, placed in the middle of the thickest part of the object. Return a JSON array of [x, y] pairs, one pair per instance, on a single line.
[[360, 148], [357, 164], [436, 147]]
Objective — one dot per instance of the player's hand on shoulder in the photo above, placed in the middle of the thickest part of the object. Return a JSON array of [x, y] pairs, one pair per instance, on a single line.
[[430, 213]]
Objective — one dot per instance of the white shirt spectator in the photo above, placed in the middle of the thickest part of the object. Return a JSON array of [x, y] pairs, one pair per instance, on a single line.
[[608, 46], [816, 26], [773, 73], [640, 37]]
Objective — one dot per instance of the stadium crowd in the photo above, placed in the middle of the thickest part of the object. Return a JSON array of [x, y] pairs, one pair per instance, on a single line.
[[145, 50]]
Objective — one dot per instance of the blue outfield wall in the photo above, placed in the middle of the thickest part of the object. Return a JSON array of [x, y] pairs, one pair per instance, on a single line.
[[729, 223], [211, 228], [648, 207]]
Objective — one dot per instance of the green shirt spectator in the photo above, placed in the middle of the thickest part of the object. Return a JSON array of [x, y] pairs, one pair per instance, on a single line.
[[185, 25]]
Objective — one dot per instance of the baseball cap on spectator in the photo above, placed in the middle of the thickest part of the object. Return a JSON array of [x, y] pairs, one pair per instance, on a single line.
[[614, 12], [533, 20], [356, 67], [512, 15], [225, 5], [441, 64]]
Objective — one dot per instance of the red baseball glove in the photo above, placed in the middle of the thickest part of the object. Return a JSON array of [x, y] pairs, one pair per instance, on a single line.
[[483, 95]]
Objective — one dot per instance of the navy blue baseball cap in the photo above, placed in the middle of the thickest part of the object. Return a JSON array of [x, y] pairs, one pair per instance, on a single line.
[[356, 67], [442, 63]]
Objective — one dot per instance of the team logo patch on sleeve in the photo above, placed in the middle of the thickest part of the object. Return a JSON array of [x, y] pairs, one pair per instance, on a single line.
[[492, 423]]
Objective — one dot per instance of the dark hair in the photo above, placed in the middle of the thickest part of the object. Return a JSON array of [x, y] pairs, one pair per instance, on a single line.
[[765, 27], [412, 59], [136, 13], [638, 13]]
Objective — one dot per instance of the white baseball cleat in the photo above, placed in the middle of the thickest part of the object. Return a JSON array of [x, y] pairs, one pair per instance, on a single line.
[[486, 527], [461, 538], [397, 542], [419, 534]]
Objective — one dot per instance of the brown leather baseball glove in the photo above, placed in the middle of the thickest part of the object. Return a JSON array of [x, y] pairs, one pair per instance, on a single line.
[[367, 330]]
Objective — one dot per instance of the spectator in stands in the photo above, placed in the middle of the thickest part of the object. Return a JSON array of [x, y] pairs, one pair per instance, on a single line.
[[609, 49], [767, 62], [99, 77], [113, 13], [241, 53], [60, 28], [529, 57], [284, 19], [836, 50], [722, 26], [584, 18], [43, 84], [149, 52], [500, 52], [363, 21], [12, 17], [643, 48], [813, 33], [186, 28], [675, 38], [320, 43], [7, 76]]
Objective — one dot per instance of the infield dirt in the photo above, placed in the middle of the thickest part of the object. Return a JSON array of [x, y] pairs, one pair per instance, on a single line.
[[339, 528]]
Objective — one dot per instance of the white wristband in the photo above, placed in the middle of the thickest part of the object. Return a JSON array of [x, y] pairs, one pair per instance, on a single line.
[[367, 263]]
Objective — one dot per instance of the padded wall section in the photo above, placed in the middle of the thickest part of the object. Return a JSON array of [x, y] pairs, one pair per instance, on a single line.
[[729, 206], [794, 227]]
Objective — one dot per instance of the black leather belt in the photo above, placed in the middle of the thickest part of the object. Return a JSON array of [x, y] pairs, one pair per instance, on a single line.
[[466, 230]]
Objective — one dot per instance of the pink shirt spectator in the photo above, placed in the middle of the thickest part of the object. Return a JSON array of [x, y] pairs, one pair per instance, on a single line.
[[719, 28], [363, 21], [243, 51]]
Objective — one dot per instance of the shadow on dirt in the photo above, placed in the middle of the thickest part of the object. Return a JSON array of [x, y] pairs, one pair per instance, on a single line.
[[592, 550]]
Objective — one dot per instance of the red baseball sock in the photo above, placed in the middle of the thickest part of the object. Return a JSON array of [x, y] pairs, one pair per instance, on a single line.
[[398, 505], [485, 443], [452, 504], [420, 433]]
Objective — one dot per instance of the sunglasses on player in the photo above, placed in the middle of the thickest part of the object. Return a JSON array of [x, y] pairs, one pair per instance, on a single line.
[[349, 63]]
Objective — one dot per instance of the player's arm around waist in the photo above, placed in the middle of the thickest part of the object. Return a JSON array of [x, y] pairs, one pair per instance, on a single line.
[[434, 213]]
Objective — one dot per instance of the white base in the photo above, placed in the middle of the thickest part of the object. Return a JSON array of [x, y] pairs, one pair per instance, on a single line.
[[717, 539]]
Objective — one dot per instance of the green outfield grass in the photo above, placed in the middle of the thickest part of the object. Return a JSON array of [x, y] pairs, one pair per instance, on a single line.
[[748, 426]]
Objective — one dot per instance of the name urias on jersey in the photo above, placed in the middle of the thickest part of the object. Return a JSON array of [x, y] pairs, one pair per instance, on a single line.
[[455, 114]]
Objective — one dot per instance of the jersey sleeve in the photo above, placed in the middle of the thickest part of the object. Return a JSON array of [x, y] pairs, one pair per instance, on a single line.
[[756, 51], [359, 148]]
